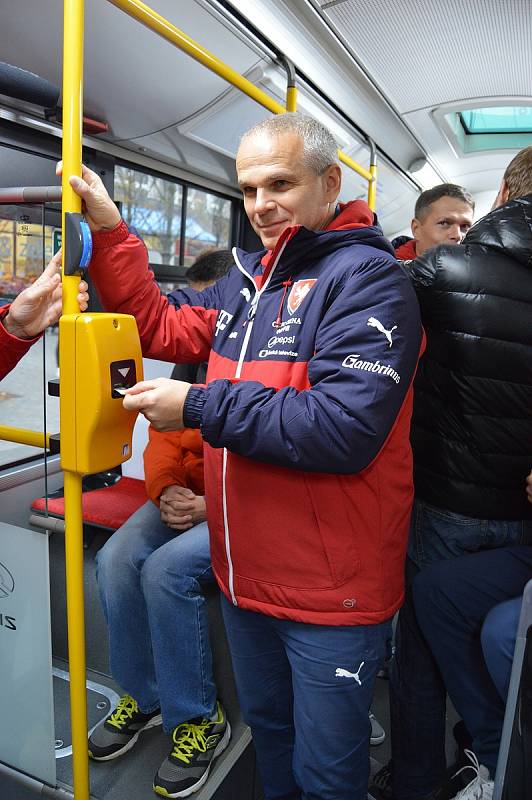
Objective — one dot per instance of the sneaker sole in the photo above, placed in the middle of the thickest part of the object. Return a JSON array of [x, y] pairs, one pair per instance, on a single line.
[[153, 723], [220, 747], [375, 740]]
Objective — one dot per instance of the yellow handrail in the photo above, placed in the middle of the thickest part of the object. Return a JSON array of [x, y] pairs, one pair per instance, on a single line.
[[73, 25], [24, 436], [291, 98], [151, 19]]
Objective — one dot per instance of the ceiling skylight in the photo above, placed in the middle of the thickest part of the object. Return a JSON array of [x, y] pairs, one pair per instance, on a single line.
[[501, 119]]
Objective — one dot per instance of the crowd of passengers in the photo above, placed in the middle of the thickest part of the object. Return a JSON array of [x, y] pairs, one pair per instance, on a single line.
[[325, 381]]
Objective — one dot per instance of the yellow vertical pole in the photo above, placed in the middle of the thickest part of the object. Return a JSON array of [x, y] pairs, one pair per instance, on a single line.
[[291, 84], [291, 98], [72, 131], [72, 126], [76, 634], [372, 183]]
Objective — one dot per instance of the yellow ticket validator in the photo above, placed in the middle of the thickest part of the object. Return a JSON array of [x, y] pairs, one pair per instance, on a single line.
[[99, 357]]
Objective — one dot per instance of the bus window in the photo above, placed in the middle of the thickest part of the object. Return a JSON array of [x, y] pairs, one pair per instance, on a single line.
[[22, 259], [208, 224], [152, 206]]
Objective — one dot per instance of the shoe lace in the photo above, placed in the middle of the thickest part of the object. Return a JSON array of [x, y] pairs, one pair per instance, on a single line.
[[475, 788], [190, 737], [383, 778], [124, 711]]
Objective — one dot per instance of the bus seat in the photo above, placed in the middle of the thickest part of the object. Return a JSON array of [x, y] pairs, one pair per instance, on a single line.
[[108, 507]]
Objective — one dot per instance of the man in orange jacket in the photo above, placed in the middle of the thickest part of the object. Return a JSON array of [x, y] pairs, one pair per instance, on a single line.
[[151, 575]]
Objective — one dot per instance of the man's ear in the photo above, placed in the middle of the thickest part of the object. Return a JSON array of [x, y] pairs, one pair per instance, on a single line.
[[414, 227], [502, 196], [332, 182]]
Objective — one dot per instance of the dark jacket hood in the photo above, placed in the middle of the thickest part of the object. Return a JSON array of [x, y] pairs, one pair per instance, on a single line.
[[507, 229]]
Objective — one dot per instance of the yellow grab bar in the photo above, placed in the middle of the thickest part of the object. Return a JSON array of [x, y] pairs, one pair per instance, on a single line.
[[354, 166], [24, 436], [151, 19]]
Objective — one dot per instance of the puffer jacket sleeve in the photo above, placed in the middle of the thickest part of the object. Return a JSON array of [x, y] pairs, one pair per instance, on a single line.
[[176, 328], [163, 463], [358, 384], [423, 269], [174, 458], [11, 347]]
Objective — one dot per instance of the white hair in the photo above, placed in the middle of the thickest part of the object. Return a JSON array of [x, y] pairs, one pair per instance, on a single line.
[[319, 148]]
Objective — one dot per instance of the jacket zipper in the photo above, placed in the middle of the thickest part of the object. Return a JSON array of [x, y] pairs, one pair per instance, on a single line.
[[249, 327]]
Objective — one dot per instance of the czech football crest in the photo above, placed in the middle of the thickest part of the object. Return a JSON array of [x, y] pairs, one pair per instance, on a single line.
[[298, 292]]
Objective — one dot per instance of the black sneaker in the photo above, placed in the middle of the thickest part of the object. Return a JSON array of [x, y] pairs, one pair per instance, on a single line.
[[196, 744], [381, 785], [118, 733]]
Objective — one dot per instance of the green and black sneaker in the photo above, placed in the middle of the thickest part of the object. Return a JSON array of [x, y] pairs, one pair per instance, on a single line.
[[120, 730], [196, 744]]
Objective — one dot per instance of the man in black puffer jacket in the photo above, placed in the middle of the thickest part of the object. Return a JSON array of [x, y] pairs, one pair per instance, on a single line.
[[472, 443]]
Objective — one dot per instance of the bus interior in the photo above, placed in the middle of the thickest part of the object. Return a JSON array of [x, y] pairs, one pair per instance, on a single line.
[[415, 94]]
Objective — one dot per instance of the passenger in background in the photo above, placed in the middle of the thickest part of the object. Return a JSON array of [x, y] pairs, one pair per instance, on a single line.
[[468, 610], [442, 215], [313, 346], [151, 575], [472, 443], [31, 312]]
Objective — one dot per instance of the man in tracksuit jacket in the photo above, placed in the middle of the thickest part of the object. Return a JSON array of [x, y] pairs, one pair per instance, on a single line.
[[312, 347]]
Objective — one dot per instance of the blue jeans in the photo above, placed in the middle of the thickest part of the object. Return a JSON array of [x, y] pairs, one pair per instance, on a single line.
[[305, 690], [467, 606], [150, 579], [498, 636], [417, 691]]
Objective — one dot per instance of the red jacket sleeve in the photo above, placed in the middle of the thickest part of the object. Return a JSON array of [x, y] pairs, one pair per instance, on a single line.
[[171, 331], [173, 458], [11, 347]]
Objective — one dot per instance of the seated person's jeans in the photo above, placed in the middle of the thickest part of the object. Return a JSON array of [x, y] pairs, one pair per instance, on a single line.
[[417, 691], [150, 579]]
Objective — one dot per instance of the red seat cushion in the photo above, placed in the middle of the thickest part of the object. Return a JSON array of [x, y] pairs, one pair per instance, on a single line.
[[109, 507]]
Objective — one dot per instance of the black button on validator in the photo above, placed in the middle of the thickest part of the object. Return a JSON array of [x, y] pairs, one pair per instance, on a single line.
[[123, 376]]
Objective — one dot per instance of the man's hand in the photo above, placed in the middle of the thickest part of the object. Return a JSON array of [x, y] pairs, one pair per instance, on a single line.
[[160, 400], [181, 509], [529, 487], [98, 208], [39, 305]]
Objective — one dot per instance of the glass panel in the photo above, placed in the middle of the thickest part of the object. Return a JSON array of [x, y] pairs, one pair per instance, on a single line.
[[27, 735], [502, 119], [22, 395], [152, 206], [208, 224]]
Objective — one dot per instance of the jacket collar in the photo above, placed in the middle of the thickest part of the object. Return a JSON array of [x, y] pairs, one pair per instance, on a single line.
[[353, 223]]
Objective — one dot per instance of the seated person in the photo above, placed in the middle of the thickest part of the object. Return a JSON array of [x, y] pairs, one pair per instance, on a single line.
[[150, 575], [468, 609], [31, 312], [442, 215]]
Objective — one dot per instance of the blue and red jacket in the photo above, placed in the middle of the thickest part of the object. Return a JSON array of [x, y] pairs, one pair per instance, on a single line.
[[305, 415]]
